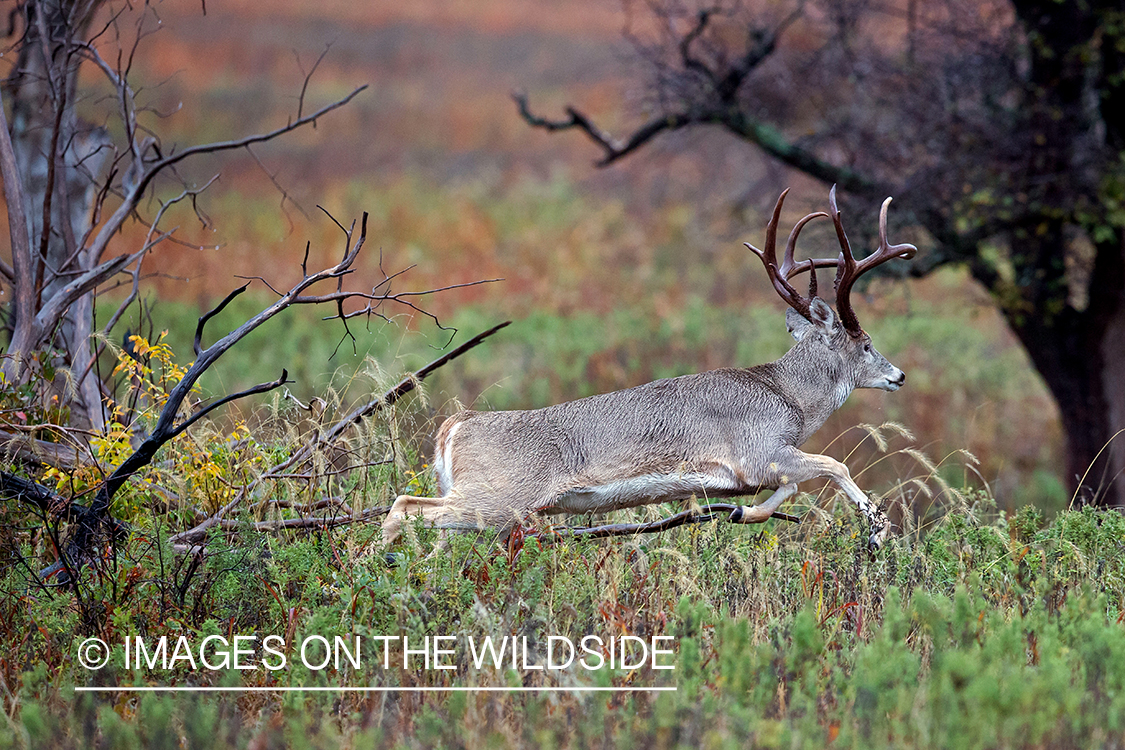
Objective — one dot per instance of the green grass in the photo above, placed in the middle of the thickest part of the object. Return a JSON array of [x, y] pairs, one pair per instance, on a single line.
[[981, 632], [972, 628]]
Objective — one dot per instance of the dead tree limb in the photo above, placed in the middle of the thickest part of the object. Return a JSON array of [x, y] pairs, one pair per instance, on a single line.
[[698, 86], [57, 266], [613, 148], [54, 508], [701, 515], [309, 522], [35, 451]]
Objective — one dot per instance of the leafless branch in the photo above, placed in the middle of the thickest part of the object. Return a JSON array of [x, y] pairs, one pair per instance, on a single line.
[[150, 242], [704, 513], [285, 197], [718, 80], [197, 343], [48, 315], [613, 148], [310, 522], [308, 77], [286, 524], [260, 388], [319, 299], [765, 136]]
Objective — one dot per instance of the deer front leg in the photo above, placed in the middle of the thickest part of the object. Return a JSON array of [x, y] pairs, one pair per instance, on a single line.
[[797, 466]]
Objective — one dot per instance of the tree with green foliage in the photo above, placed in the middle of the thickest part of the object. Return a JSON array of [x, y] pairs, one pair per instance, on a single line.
[[997, 125]]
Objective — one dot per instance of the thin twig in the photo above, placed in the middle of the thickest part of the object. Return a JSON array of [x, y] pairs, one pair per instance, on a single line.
[[197, 343]]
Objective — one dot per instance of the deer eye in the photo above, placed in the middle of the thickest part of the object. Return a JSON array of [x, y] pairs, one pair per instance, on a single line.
[[867, 347]]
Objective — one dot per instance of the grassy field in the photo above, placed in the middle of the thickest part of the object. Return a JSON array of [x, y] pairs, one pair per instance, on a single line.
[[971, 629]]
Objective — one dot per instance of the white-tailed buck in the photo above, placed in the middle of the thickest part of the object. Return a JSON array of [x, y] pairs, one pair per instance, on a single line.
[[723, 433]]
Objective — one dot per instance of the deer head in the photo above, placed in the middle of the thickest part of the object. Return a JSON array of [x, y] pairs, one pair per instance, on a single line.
[[810, 320]]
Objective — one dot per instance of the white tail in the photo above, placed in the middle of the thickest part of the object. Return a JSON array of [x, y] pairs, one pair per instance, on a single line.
[[722, 433]]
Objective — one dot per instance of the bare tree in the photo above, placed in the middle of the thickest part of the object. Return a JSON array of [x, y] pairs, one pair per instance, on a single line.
[[998, 125], [70, 187], [91, 523]]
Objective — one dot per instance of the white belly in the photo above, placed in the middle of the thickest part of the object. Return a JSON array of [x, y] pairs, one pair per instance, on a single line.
[[639, 490]]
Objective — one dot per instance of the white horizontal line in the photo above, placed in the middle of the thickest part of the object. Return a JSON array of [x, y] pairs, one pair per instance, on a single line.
[[366, 689]]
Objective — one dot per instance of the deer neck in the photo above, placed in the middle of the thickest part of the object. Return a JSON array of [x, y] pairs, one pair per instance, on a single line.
[[816, 383]]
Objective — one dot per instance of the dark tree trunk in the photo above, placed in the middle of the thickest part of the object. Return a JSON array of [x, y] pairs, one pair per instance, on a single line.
[[1076, 100], [1081, 356]]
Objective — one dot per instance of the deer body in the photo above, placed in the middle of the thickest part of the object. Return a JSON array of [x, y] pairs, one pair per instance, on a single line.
[[722, 433]]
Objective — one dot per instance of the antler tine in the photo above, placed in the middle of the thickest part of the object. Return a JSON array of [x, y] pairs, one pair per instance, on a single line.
[[769, 259], [780, 274], [848, 269], [769, 255], [791, 269], [845, 264], [905, 251]]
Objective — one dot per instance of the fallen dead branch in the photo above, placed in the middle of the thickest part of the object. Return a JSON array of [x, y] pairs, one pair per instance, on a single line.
[[306, 522], [701, 515], [34, 451]]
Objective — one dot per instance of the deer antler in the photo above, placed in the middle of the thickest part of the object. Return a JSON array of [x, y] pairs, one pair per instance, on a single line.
[[780, 274], [848, 269]]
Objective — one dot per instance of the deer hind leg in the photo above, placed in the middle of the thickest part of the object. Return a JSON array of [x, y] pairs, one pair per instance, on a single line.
[[798, 466], [435, 511], [445, 513], [761, 512]]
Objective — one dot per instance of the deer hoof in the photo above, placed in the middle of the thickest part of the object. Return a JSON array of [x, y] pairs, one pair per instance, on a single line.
[[750, 514], [875, 541], [394, 559]]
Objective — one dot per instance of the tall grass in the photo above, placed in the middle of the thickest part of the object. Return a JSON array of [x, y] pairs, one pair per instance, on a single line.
[[982, 634]]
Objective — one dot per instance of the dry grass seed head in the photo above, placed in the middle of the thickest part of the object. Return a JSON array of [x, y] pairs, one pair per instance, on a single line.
[[876, 436]]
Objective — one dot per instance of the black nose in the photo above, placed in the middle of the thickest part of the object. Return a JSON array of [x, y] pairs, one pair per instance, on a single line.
[[901, 378]]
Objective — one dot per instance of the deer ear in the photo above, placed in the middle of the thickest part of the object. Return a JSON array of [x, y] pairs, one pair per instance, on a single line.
[[822, 315], [823, 321], [797, 325]]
